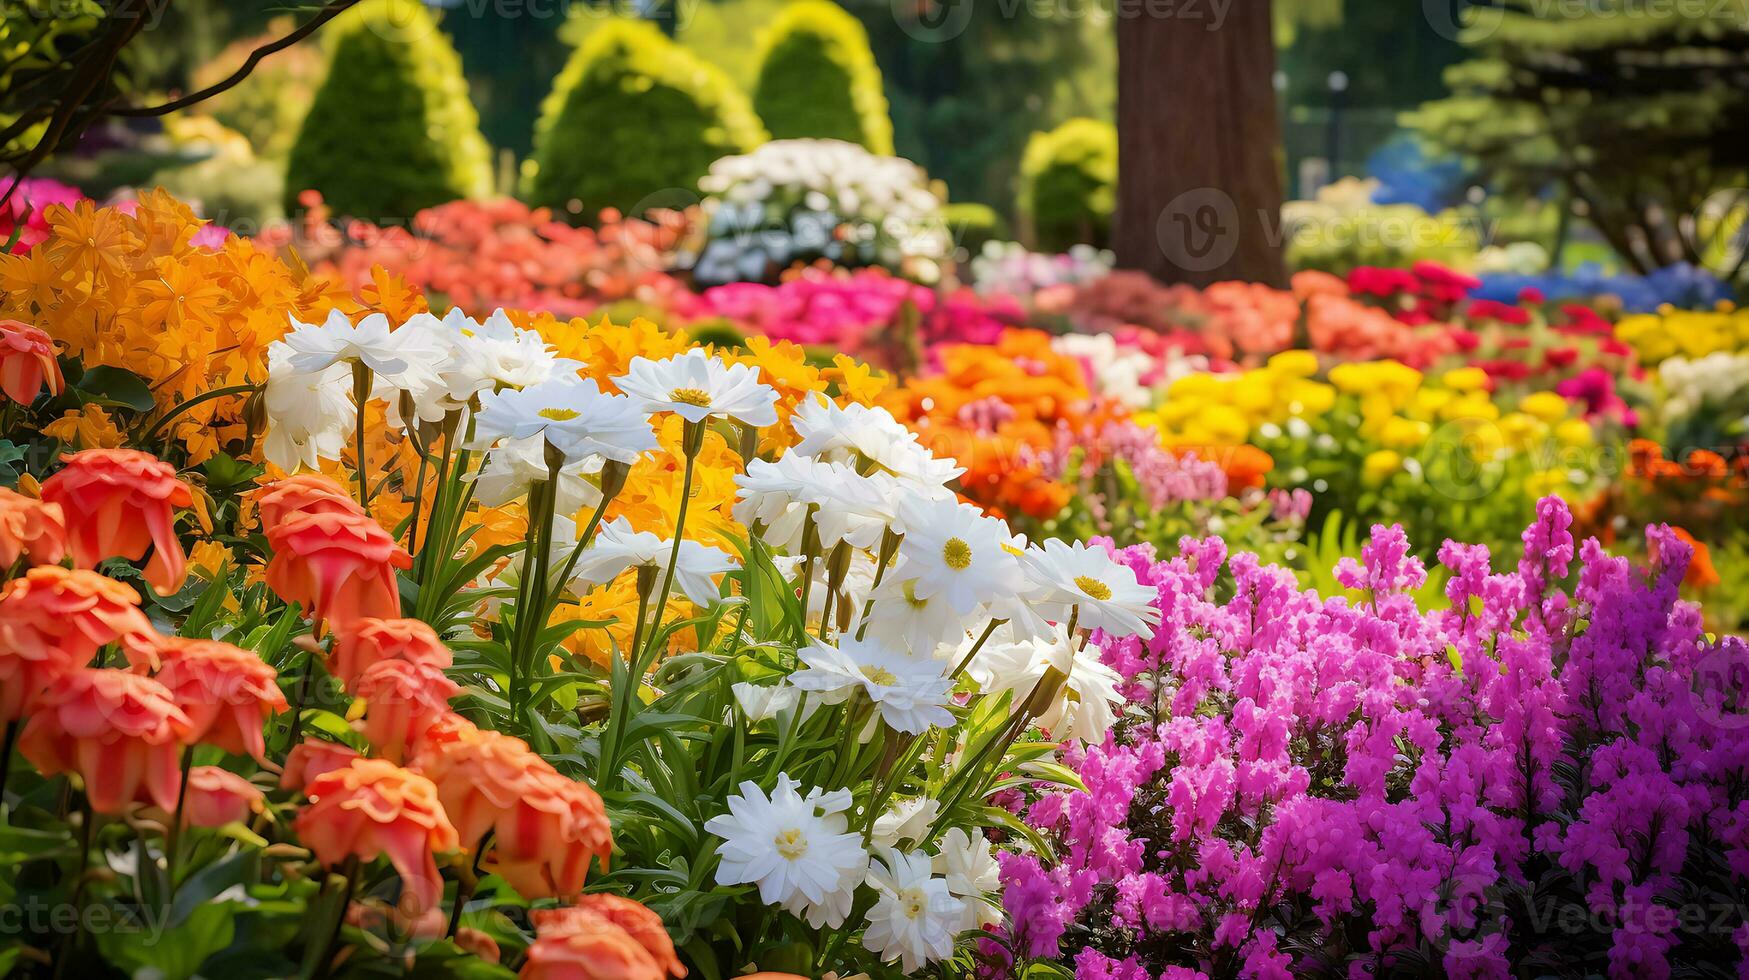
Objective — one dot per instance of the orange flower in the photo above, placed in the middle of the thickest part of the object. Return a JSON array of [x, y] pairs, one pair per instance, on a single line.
[[52, 621], [121, 732], [306, 493], [119, 502], [367, 641], [374, 808], [1701, 574], [218, 796], [30, 527], [596, 950], [545, 827], [311, 758], [638, 922], [228, 692], [402, 702], [339, 567], [27, 361], [478, 943]]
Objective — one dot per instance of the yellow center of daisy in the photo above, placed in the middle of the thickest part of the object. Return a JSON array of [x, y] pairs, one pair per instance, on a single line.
[[792, 844], [558, 414], [879, 675], [1093, 587], [915, 903], [957, 554], [691, 396]]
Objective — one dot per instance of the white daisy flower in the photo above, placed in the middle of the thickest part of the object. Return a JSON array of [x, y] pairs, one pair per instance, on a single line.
[[571, 414], [861, 433], [1085, 706], [518, 464], [390, 353], [764, 702], [616, 548], [914, 919], [907, 821], [696, 386], [910, 692], [972, 873], [498, 354], [1075, 576], [919, 625], [309, 415], [795, 848], [955, 551]]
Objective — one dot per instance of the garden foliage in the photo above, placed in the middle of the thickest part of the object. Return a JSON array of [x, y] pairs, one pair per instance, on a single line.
[[818, 79]]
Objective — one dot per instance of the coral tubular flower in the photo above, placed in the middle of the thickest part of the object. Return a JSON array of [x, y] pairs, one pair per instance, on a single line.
[[27, 362], [121, 732], [311, 758], [227, 692], [368, 641], [217, 797], [595, 950], [402, 702], [639, 922], [373, 808], [52, 621], [30, 528], [306, 493], [545, 827], [339, 567], [118, 503]]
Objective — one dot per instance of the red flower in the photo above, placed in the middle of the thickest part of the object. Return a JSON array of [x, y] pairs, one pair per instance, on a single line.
[[311, 758], [369, 640], [118, 503], [218, 796], [30, 528], [27, 362], [402, 702], [306, 493], [52, 621], [638, 922], [340, 567], [228, 692], [374, 808], [121, 732]]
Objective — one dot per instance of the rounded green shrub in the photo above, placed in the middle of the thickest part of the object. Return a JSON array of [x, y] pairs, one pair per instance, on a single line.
[[972, 224], [391, 129], [633, 114], [1068, 184], [817, 79]]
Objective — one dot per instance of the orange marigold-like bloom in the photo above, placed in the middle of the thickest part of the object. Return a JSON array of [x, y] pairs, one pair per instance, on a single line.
[[402, 702], [52, 621], [596, 950], [1700, 574], [306, 493], [121, 732], [339, 567], [218, 796], [27, 362], [118, 503], [311, 758], [30, 528], [370, 640], [638, 922], [227, 692], [546, 828], [374, 808]]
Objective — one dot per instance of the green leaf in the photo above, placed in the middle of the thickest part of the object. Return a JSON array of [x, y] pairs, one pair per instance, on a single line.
[[177, 952], [106, 385]]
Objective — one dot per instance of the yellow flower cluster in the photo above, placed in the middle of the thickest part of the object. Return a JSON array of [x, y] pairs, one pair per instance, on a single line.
[[130, 289], [1688, 333], [1206, 409]]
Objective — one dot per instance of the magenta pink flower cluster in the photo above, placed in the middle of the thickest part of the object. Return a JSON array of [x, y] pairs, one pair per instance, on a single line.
[[844, 311], [1549, 777], [1162, 477]]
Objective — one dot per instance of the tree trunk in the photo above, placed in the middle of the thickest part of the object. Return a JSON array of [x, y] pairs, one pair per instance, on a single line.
[[1199, 145]]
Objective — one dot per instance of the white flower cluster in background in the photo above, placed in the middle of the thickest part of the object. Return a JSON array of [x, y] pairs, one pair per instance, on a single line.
[[1009, 269], [1129, 374], [1714, 379], [883, 205]]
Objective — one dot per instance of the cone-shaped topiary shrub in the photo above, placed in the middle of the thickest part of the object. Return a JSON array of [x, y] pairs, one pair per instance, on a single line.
[[632, 115], [391, 129], [1068, 181], [818, 79]]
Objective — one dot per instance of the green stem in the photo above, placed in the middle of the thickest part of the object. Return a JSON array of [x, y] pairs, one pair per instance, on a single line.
[[979, 645], [360, 397], [529, 591], [181, 407], [692, 442], [583, 540], [889, 545], [173, 836], [348, 871], [70, 943], [418, 504], [6, 746]]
